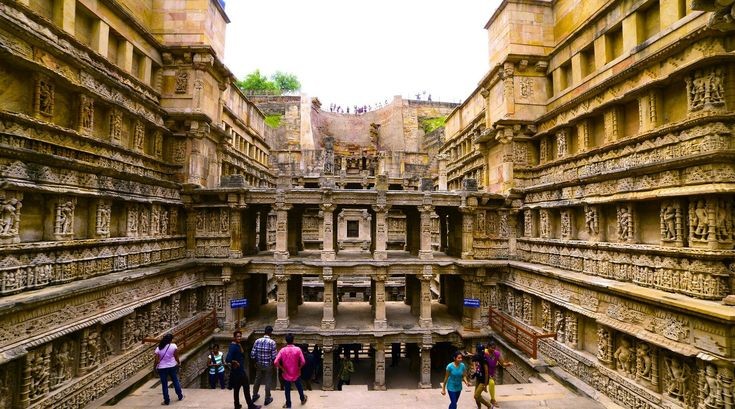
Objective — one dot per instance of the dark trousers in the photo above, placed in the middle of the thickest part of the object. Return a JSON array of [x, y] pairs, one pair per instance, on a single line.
[[164, 374], [213, 379], [287, 387], [342, 382], [240, 379]]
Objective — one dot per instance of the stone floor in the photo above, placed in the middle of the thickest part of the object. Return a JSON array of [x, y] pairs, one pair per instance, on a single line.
[[547, 394]]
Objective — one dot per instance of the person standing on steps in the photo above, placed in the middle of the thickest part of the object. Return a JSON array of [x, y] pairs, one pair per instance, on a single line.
[[290, 359], [238, 374], [167, 365], [345, 372], [216, 367], [481, 376], [453, 377], [492, 355], [264, 352]]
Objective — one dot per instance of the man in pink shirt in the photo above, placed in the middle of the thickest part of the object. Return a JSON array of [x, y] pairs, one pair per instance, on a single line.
[[290, 359]]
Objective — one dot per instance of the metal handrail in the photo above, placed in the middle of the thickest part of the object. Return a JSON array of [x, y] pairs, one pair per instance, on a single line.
[[523, 339]]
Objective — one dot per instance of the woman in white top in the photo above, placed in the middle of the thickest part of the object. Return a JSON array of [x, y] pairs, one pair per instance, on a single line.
[[167, 362], [216, 367]]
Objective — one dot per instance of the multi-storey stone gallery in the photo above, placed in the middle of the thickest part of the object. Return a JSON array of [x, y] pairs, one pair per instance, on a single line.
[[583, 193]]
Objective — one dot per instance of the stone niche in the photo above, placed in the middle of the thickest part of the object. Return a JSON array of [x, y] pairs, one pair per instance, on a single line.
[[353, 231]]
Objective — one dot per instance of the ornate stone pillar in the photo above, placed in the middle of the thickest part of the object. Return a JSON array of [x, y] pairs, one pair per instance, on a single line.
[[235, 226], [381, 321], [442, 160], [468, 230], [381, 232], [10, 205], [425, 300], [379, 384], [192, 215], [327, 210], [281, 251], [328, 365], [567, 231], [282, 320], [425, 381], [426, 210], [330, 280]]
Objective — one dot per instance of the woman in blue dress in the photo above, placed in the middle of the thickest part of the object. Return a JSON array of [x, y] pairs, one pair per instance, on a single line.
[[453, 378]]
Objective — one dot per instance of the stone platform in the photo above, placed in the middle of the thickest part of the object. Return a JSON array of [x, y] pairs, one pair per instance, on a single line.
[[520, 396]]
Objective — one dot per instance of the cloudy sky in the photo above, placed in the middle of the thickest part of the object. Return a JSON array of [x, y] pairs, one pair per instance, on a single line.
[[355, 53]]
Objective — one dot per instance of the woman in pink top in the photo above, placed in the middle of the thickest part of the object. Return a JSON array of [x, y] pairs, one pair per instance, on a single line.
[[167, 362], [290, 359]]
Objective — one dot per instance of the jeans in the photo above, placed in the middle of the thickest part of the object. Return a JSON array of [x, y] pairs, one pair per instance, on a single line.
[[453, 398], [240, 379], [164, 374], [263, 375], [287, 387], [213, 379]]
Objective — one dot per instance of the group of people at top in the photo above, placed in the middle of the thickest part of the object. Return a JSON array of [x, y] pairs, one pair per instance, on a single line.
[[483, 369], [356, 109]]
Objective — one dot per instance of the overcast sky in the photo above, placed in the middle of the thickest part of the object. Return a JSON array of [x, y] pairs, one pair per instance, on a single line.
[[355, 53]]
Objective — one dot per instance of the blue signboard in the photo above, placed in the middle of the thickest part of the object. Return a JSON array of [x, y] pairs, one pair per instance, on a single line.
[[472, 302], [239, 303]]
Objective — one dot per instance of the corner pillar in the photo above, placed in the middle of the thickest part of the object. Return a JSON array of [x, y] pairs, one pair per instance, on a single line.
[[468, 227], [328, 367], [425, 382], [235, 226], [426, 210], [281, 251]]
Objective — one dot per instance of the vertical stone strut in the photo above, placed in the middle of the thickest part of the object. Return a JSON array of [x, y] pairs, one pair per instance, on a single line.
[[381, 321], [330, 305], [328, 253], [381, 232], [427, 210], [281, 251], [282, 320]]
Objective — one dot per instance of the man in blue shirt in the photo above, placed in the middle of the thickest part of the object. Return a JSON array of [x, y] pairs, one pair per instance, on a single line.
[[264, 352], [238, 373]]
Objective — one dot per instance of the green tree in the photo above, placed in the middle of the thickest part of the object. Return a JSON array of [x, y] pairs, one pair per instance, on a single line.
[[286, 82], [255, 81]]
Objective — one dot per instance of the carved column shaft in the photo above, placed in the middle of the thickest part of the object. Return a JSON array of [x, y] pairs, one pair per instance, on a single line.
[[425, 382], [468, 228], [328, 253], [328, 319], [235, 231], [425, 252], [381, 321], [379, 384], [328, 369], [281, 251], [381, 232], [282, 319], [425, 320]]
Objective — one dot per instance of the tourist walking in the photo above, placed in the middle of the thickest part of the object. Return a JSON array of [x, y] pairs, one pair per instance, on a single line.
[[307, 371], [290, 359], [238, 374], [264, 352], [346, 369], [492, 355], [455, 374], [480, 375], [216, 367], [167, 365]]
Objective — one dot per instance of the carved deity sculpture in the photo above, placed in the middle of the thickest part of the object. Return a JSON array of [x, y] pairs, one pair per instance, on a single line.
[[164, 222], [39, 377], [86, 113], [699, 220], [224, 220], [624, 358], [527, 308], [109, 343], [528, 223], [64, 218], [115, 126], [546, 316], [566, 224], [724, 227], [625, 223], [643, 361], [10, 216], [139, 136], [571, 329], [591, 220], [561, 144], [678, 379], [143, 221], [182, 82], [713, 388], [103, 218], [668, 223], [62, 368], [705, 88], [155, 220], [45, 95]]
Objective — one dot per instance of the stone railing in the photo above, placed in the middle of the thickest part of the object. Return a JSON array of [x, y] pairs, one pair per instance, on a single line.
[[31, 266], [696, 275], [642, 151]]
